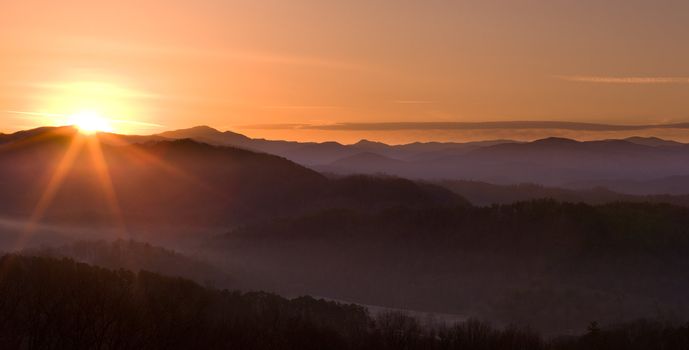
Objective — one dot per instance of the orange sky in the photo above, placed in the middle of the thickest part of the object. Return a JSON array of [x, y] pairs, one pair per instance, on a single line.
[[153, 65]]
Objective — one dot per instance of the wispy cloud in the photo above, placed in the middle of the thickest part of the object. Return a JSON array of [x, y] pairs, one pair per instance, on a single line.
[[32, 115], [413, 102], [137, 123], [623, 80], [300, 107], [286, 126], [507, 125]]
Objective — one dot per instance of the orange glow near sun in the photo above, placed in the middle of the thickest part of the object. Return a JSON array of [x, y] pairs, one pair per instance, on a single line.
[[90, 122], [92, 107]]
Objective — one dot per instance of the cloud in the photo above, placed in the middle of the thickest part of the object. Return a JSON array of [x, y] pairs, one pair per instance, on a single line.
[[274, 126], [33, 115], [511, 125], [137, 123], [623, 80], [300, 107], [413, 102]]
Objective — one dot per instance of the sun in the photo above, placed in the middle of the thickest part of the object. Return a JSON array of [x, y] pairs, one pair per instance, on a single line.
[[90, 122], [93, 107]]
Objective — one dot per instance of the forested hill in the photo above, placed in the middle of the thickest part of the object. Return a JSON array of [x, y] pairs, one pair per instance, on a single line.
[[544, 263], [483, 193], [60, 304]]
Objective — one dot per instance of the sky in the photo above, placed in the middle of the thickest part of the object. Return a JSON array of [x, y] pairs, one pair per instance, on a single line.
[[294, 69]]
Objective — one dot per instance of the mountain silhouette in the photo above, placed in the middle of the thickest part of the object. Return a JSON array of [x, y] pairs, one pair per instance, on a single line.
[[653, 141], [551, 161], [324, 153], [171, 181], [363, 163], [209, 135], [672, 184], [485, 194], [179, 180]]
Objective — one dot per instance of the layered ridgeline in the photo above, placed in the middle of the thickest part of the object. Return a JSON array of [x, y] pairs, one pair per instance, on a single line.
[[484, 193], [139, 256], [60, 304], [553, 266], [57, 175], [634, 165], [324, 153], [373, 240]]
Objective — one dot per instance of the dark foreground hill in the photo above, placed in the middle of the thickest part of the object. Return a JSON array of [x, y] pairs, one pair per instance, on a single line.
[[60, 304]]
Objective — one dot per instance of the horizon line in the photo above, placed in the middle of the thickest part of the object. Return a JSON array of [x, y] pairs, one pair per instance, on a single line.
[[476, 125]]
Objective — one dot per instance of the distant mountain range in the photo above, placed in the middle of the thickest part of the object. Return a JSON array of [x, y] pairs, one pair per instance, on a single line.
[[320, 154], [635, 165]]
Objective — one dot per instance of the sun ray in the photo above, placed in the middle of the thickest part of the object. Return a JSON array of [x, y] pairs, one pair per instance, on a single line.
[[51, 189], [103, 173], [152, 160]]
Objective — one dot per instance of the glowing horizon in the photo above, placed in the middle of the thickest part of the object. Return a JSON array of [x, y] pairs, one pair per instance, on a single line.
[[237, 63]]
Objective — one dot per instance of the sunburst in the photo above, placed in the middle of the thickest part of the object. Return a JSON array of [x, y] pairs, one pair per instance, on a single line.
[[90, 122]]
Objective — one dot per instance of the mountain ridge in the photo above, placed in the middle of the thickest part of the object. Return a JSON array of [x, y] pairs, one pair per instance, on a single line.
[[553, 161], [178, 181]]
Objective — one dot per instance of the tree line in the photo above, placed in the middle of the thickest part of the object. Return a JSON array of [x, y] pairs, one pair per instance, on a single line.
[[548, 264], [49, 303]]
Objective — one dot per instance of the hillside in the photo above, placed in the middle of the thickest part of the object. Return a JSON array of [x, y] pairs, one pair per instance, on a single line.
[[138, 256], [483, 193], [173, 183], [55, 304], [550, 265]]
